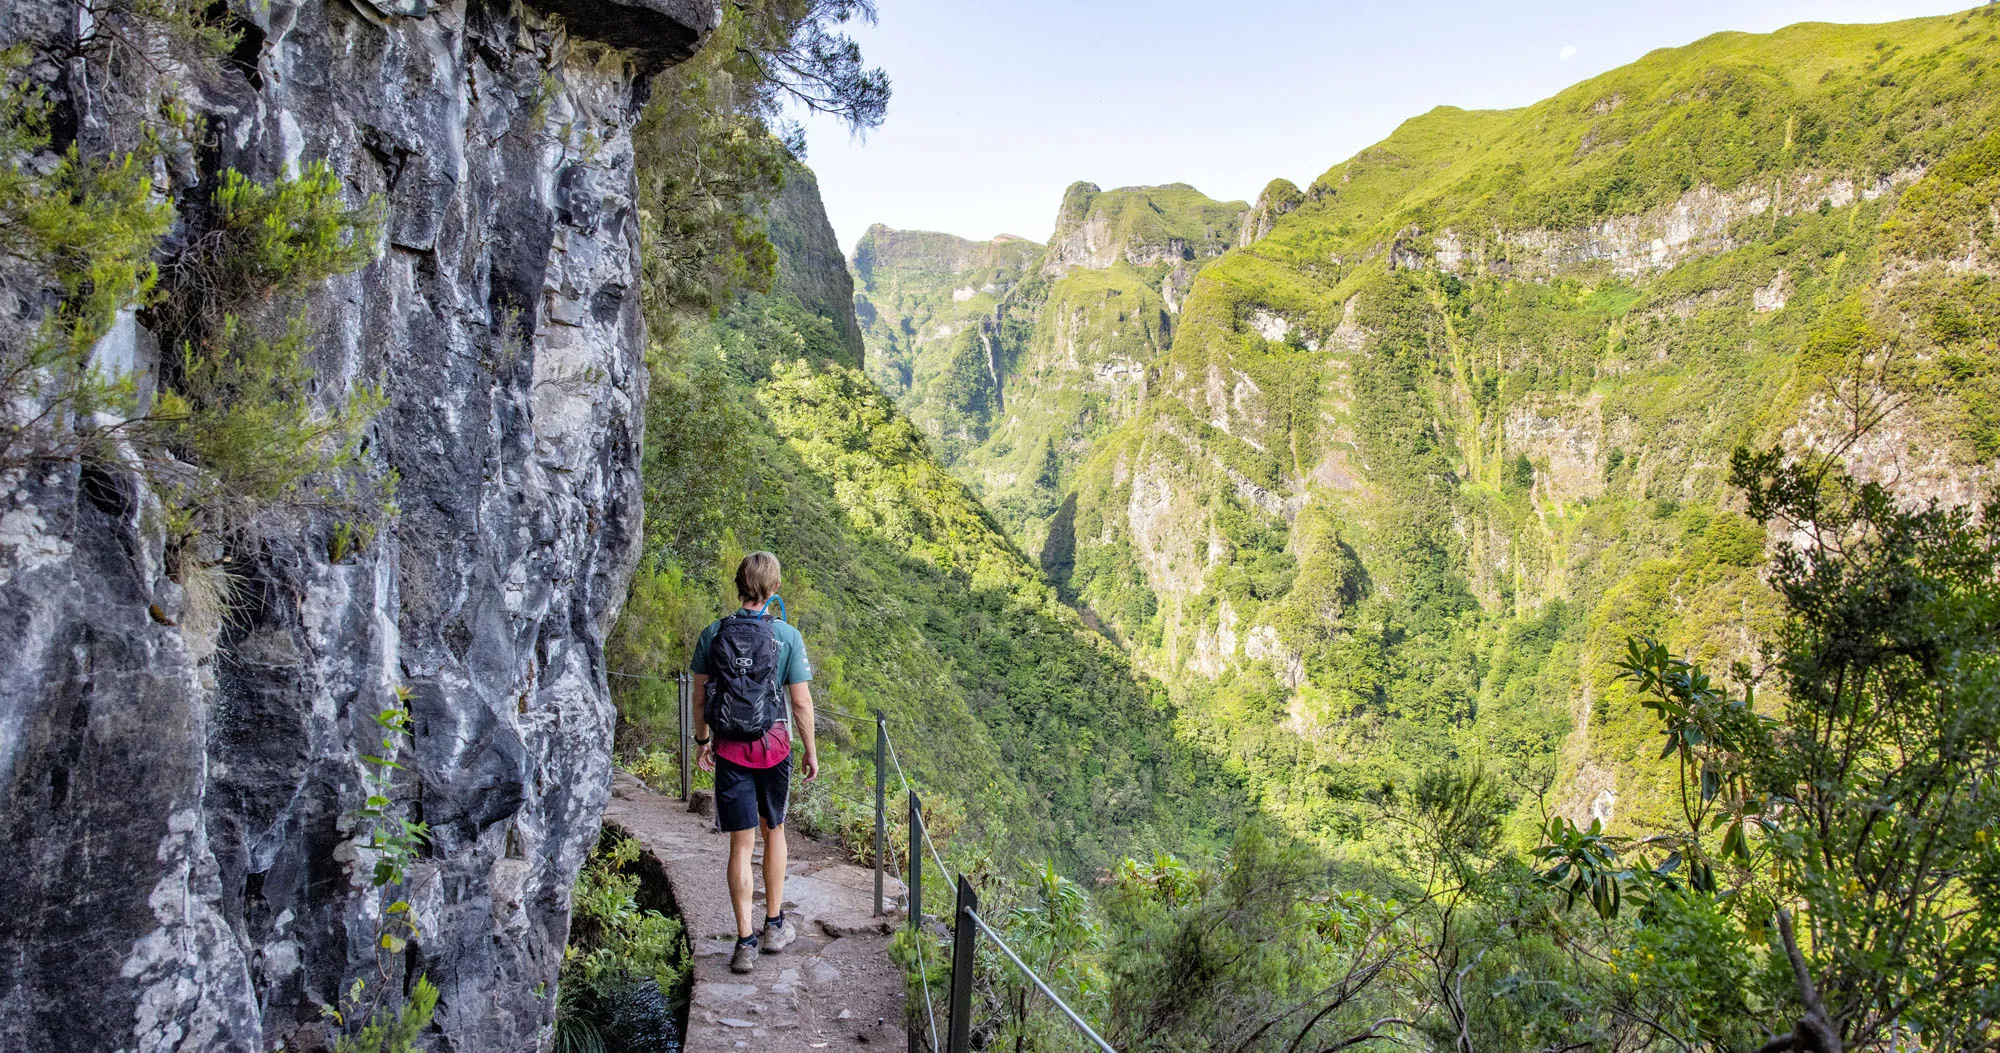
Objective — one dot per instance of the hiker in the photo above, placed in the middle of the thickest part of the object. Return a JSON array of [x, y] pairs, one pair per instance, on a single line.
[[750, 676]]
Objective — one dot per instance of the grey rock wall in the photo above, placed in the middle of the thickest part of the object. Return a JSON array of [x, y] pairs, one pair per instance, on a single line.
[[179, 871]]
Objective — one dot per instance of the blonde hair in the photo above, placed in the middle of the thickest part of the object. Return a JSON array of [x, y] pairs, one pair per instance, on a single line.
[[757, 577]]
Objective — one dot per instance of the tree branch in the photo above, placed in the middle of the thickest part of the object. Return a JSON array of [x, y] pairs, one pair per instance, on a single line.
[[1373, 1032], [1815, 1030]]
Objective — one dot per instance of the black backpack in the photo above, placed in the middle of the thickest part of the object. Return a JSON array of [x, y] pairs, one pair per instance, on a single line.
[[742, 701]]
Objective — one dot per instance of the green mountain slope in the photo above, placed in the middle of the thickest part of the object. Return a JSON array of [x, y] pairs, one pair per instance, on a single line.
[[1503, 359], [810, 269], [1454, 421]]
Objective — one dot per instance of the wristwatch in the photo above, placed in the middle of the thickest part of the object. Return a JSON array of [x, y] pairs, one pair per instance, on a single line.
[[701, 742]]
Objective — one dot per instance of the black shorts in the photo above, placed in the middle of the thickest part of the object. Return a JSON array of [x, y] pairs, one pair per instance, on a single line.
[[745, 795]]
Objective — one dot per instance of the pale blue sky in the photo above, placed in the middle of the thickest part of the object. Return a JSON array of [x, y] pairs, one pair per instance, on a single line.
[[1000, 105]]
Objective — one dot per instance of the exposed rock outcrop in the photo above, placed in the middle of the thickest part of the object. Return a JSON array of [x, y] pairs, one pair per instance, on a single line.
[[182, 872], [1564, 438], [1698, 224], [1279, 197], [1174, 288]]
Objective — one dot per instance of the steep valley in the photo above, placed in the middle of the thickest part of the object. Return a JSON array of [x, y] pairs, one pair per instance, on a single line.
[[1382, 473]]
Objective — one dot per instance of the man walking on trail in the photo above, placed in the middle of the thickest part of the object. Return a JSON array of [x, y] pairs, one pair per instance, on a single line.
[[750, 675]]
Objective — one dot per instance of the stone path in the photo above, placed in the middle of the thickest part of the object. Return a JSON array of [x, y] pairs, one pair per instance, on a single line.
[[833, 989]]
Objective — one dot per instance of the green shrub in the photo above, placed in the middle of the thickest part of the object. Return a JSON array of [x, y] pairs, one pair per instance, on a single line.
[[616, 951], [243, 410], [397, 1031], [89, 227], [239, 404], [1241, 957], [1520, 473], [289, 234]]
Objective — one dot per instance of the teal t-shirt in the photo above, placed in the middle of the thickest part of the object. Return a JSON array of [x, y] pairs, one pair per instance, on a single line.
[[793, 666]]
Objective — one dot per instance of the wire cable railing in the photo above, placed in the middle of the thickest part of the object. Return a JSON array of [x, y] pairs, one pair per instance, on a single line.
[[923, 975], [967, 924], [965, 929], [920, 827], [1053, 997]]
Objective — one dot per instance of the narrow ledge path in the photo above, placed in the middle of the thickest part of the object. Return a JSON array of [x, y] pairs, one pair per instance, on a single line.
[[835, 988]]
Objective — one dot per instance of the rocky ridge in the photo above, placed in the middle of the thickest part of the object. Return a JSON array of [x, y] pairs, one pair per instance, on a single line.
[[1279, 196], [1142, 226]]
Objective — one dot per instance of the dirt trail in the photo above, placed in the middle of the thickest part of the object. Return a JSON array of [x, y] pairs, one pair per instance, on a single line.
[[834, 989]]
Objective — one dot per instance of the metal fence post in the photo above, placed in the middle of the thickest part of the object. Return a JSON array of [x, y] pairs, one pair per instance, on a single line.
[[964, 934], [684, 695], [881, 806], [916, 890], [916, 862]]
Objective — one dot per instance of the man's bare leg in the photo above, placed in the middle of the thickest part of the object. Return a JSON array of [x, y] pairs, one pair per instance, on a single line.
[[742, 893], [775, 855]]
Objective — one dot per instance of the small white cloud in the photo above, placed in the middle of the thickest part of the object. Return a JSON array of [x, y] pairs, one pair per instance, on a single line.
[[1568, 53]]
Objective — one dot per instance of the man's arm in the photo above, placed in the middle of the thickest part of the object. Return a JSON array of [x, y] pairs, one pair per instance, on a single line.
[[701, 722], [802, 715]]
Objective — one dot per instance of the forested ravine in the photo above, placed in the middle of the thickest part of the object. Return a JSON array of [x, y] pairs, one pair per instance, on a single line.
[[1500, 517]]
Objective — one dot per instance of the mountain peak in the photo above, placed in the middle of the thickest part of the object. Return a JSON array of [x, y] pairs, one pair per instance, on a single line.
[[1140, 225]]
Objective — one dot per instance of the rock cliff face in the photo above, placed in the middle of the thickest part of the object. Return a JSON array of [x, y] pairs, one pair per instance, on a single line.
[[181, 871], [1700, 223], [810, 264]]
